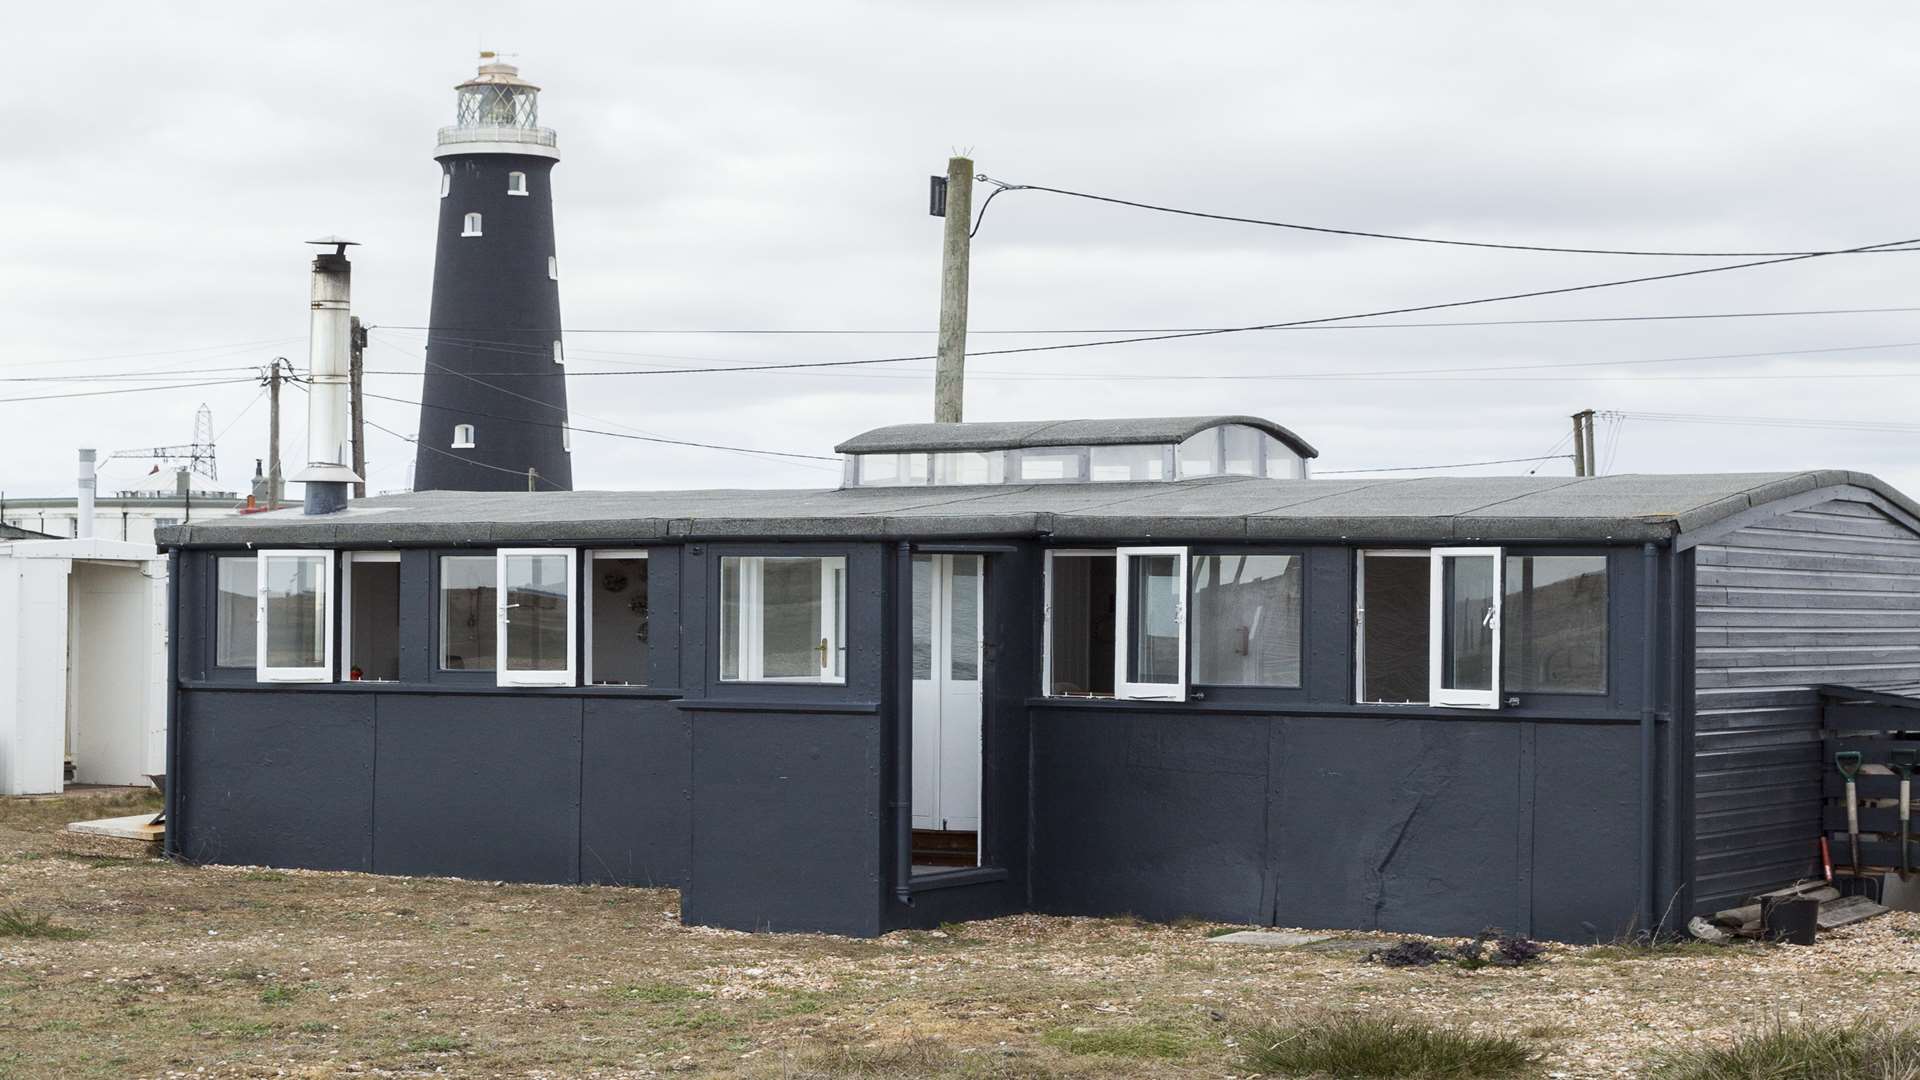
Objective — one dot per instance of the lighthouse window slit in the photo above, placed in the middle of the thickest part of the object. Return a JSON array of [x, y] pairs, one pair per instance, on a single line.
[[516, 183], [558, 356], [463, 436], [553, 267], [446, 183], [472, 226]]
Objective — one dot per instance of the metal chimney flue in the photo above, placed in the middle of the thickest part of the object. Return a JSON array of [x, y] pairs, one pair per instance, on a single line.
[[327, 476], [83, 512]]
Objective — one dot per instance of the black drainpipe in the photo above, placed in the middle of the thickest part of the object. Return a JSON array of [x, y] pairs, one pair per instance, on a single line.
[[170, 805], [1649, 718], [903, 724]]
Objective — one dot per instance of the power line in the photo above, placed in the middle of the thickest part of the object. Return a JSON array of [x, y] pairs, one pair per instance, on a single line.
[[1817, 423], [1390, 374], [1003, 186], [234, 347], [1529, 295], [610, 434], [1156, 330], [1455, 465], [126, 390], [429, 446]]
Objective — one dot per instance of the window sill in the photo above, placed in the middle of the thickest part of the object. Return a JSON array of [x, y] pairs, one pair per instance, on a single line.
[[472, 234], [1554, 711], [737, 705], [957, 878], [519, 194], [367, 686]]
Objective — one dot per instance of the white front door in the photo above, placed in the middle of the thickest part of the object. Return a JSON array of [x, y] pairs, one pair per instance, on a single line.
[[948, 599]]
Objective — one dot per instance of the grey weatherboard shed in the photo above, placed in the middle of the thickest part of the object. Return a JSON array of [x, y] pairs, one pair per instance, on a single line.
[[1692, 781]]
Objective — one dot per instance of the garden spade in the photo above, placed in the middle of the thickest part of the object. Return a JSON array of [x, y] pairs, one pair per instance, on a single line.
[[1848, 762], [1903, 763]]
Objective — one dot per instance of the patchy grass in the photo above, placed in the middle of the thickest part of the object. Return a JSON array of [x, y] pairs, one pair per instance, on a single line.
[[1384, 1048], [24, 924], [1130, 1041], [335, 974], [1655, 949], [1863, 1049]]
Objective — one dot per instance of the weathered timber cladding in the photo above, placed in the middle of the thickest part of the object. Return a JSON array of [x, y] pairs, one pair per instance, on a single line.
[[1825, 594]]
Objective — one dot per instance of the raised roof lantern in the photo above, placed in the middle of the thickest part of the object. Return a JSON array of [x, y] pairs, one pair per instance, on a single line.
[[497, 111], [1146, 449]]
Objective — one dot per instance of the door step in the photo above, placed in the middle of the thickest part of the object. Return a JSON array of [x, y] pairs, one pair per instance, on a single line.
[[945, 847]]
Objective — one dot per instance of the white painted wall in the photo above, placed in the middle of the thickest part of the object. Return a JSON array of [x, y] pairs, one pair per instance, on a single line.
[[82, 650]]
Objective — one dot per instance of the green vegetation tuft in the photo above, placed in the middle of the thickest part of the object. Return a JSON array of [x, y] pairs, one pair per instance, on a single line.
[[1882, 1051], [1383, 1048], [15, 922], [434, 1044], [279, 994], [657, 993]]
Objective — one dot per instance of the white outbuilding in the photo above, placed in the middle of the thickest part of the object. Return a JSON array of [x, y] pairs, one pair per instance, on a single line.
[[82, 663]]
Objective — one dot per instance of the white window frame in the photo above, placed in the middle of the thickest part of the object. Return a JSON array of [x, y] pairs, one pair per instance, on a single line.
[[553, 268], [502, 675], [1123, 690], [512, 189], [347, 559], [1123, 629], [263, 673], [1437, 693], [446, 183], [559, 354], [750, 641], [471, 224], [460, 443], [586, 649]]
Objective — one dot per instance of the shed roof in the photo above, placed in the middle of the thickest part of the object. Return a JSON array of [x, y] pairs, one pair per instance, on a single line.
[[1621, 508], [1011, 434]]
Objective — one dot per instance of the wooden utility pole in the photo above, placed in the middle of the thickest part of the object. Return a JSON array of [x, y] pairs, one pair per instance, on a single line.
[[273, 434], [355, 362], [949, 377]]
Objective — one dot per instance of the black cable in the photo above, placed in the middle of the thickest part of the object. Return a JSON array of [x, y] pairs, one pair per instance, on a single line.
[[1159, 329], [415, 440], [1002, 186]]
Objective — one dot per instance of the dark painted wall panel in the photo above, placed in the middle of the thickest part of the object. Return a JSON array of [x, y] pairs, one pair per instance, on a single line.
[[1399, 824], [1586, 791], [635, 780], [1155, 816], [786, 824], [478, 786], [277, 778], [1826, 594]]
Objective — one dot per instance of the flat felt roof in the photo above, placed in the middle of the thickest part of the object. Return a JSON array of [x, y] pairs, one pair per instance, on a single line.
[[1016, 434], [1620, 508]]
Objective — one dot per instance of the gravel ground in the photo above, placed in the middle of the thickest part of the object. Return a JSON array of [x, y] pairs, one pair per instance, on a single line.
[[217, 972]]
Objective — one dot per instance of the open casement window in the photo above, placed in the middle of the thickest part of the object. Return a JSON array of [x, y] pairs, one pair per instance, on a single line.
[[370, 616], [783, 619], [535, 594], [1428, 627], [1116, 623], [1152, 619], [1463, 641], [294, 606]]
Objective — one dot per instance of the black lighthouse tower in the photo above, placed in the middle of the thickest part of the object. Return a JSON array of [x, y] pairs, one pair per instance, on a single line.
[[494, 404]]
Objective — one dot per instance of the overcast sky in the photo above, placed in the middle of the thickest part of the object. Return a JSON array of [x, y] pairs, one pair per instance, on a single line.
[[731, 166]]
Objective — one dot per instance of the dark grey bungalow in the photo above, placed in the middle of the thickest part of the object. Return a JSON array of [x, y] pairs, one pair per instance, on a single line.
[[1144, 667]]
